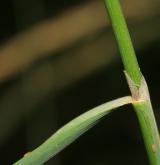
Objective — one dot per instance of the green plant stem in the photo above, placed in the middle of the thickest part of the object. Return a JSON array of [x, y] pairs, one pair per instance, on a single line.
[[144, 111], [149, 131], [137, 84], [124, 40]]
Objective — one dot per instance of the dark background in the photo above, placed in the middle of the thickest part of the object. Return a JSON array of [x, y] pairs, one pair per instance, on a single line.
[[116, 139]]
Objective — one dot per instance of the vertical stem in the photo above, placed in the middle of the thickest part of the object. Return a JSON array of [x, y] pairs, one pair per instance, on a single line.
[[149, 131], [137, 84], [144, 111], [123, 40]]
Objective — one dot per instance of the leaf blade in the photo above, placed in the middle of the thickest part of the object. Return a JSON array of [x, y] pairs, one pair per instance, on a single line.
[[70, 132]]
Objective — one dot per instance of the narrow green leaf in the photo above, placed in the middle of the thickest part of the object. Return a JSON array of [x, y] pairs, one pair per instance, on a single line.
[[71, 131]]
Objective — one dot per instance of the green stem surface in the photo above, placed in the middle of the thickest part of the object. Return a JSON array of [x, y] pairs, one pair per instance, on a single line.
[[144, 111], [124, 40], [137, 84], [149, 130]]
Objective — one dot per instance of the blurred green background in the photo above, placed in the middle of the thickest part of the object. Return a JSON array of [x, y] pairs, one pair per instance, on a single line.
[[57, 60]]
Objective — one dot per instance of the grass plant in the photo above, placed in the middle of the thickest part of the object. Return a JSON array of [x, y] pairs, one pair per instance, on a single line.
[[139, 98]]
